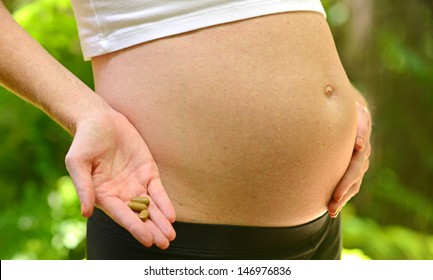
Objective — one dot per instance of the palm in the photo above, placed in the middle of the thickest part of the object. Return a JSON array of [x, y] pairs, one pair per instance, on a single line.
[[110, 163]]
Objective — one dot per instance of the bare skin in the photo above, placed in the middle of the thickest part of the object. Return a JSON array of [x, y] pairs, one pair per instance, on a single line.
[[109, 161], [250, 123], [218, 121]]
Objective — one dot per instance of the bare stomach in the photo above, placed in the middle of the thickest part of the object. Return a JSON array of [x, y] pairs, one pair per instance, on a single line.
[[250, 123]]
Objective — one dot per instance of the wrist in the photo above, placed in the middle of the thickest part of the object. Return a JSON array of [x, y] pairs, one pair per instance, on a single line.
[[89, 108]]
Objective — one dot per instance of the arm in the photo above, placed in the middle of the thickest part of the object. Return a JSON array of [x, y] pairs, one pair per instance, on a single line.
[[30, 72], [108, 161], [350, 184]]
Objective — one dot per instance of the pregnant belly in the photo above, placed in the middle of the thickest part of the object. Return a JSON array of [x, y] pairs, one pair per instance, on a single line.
[[244, 131]]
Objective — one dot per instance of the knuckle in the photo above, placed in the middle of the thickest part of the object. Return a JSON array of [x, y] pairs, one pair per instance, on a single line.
[[357, 187], [356, 190], [136, 230], [70, 160], [366, 165]]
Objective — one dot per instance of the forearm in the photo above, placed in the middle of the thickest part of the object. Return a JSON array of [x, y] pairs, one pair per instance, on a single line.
[[29, 71]]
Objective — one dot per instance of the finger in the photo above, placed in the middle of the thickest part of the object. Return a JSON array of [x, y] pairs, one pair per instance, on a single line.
[[125, 217], [81, 177], [161, 221], [364, 126], [366, 166], [354, 172], [160, 239], [335, 207], [146, 232], [161, 228], [367, 150], [157, 192]]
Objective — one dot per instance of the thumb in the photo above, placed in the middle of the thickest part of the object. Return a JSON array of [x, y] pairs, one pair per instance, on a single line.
[[362, 132], [81, 177]]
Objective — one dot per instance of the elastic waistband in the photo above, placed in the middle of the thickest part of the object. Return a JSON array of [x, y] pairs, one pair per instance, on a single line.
[[214, 237], [214, 241]]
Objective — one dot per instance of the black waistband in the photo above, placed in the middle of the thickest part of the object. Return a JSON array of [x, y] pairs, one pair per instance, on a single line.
[[215, 237], [201, 241]]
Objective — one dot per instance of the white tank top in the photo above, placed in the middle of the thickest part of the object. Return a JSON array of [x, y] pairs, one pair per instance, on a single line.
[[109, 25]]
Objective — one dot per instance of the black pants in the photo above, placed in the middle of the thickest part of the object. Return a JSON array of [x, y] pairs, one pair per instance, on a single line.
[[318, 239]]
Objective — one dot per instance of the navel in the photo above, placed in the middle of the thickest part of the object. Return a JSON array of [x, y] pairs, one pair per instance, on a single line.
[[330, 90]]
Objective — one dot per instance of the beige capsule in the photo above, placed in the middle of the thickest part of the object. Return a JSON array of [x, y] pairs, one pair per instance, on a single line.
[[144, 215], [137, 206], [141, 199]]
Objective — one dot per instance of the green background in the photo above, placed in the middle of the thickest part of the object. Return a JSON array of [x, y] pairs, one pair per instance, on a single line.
[[387, 49]]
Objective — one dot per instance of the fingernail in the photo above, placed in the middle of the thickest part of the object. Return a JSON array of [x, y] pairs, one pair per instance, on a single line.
[[333, 215], [338, 198], [83, 209], [336, 213], [360, 142]]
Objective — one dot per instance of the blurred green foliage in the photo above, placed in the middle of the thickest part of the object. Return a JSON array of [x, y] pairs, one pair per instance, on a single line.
[[40, 212], [387, 49]]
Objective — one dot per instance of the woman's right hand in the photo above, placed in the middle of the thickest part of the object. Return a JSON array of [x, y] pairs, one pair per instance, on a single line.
[[110, 163]]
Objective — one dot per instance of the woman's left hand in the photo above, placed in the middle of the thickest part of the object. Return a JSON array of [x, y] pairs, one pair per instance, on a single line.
[[350, 184]]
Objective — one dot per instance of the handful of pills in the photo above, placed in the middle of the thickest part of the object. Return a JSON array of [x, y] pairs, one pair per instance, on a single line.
[[139, 204]]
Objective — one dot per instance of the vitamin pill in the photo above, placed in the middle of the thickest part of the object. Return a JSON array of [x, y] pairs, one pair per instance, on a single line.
[[144, 215], [141, 199], [137, 206]]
